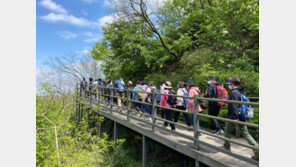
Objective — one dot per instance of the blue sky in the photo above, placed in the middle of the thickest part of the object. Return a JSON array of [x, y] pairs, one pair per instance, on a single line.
[[65, 26]]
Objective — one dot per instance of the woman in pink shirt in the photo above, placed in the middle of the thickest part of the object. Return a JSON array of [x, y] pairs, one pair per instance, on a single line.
[[192, 90], [163, 102]]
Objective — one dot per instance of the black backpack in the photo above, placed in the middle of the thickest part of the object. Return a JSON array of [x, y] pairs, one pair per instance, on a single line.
[[171, 99]]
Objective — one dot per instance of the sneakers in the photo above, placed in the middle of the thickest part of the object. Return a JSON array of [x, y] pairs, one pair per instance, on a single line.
[[225, 148], [256, 156], [219, 132], [149, 119], [166, 127]]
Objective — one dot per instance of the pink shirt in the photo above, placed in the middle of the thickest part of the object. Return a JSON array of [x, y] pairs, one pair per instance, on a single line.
[[163, 100], [190, 106]]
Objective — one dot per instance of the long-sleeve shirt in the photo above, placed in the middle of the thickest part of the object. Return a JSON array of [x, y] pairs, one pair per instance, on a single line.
[[190, 106], [163, 100], [146, 95], [135, 94], [180, 92], [233, 108]]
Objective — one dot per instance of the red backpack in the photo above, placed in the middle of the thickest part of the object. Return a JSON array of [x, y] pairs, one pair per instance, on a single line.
[[222, 94]]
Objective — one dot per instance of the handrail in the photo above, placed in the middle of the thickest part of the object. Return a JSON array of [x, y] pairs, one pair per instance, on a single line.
[[195, 113]]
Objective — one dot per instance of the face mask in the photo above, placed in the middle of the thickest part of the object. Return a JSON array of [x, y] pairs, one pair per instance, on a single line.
[[229, 87], [209, 82]]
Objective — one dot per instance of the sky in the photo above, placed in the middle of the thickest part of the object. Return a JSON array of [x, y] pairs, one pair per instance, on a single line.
[[68, 26]]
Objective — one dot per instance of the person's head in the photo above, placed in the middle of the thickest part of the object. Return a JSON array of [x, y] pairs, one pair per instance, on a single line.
[[83, 78], [143, 82], [120, 77], [189, 84], [90, 79], [99, 79], [151, 83], [168, 85], [212, 79], [130, 83], [162, 82], [139, 82], [233, 82], [181, 84]]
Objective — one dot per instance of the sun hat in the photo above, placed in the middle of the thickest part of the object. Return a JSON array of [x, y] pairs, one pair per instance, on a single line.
[[168, 85]]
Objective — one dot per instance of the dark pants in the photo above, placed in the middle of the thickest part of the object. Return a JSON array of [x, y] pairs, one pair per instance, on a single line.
[[148, 109], [168, 116], [186, 116], [214, 110]]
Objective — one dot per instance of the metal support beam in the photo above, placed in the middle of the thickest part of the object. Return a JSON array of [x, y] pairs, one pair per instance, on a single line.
[[144, 155], [115, 138]]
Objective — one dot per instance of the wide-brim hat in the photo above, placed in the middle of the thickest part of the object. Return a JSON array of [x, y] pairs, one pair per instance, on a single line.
[[168, 85], [189, 83]]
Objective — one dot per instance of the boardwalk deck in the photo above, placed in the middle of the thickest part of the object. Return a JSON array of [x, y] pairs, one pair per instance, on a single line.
[[185, 146]]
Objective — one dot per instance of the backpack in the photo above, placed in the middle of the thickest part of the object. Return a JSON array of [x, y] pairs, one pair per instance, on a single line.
[[172, 100], [222, 94], [158, 97], [185, 100], [245, 111], [140, 94]]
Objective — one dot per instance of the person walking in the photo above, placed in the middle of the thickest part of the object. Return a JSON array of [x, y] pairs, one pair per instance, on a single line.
[[214, 108], [163, 102], [138, 87], [233, 114], [192, 90], [119, 84], [182, 103], [148, 99]]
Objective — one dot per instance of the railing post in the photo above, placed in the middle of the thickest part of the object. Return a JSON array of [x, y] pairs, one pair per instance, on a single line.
[[76, 103], [154, 111], [115, 138], [111, 99], [128, 104], [144, 154], [100, 93], [196, 122]]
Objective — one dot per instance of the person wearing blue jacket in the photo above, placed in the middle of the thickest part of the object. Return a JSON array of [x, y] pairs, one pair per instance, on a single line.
[[119, 84]]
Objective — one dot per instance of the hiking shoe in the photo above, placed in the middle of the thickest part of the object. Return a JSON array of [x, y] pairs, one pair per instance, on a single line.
[[173, 130], [256, 156], [149, 119], [225, 148], [164, 126], [219, 132]]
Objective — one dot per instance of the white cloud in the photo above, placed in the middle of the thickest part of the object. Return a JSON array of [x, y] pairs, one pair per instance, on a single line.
[[108, 19], [95, 38], [70, 19], [49, 4], [68, 34]]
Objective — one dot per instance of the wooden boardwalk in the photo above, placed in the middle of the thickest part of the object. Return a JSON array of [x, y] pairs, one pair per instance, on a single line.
[[185, 146]]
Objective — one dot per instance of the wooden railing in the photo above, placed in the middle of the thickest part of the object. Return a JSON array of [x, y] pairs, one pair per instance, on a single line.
[[98, 92]]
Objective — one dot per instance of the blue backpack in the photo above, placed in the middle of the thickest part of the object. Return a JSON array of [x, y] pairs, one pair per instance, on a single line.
[[246, 112], [158, 97], [185, 100]]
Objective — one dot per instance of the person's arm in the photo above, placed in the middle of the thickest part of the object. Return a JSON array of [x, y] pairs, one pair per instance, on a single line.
[[145, 95], [180, 93], [162, 100], [190, 101], [235, 96]]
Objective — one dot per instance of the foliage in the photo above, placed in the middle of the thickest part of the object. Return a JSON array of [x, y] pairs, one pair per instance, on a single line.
[[77, 146], [218, 38]]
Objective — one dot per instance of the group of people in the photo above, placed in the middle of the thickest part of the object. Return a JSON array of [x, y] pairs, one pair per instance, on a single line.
[[189, 89]]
